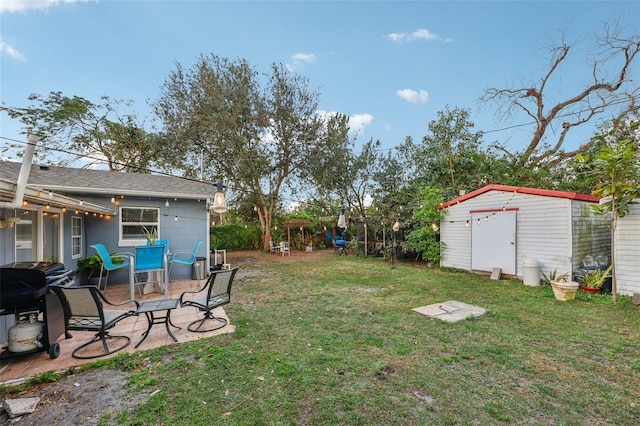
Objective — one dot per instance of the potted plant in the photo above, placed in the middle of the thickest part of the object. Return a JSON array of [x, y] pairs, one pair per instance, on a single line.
[[593, 280], [89, 268], [150, 235], [563, 288]]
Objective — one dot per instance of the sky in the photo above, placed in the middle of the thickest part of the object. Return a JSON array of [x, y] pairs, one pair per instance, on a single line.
[[389, 65]]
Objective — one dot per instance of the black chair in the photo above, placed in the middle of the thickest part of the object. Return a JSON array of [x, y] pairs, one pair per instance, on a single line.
[[84, 310], [215, 293]]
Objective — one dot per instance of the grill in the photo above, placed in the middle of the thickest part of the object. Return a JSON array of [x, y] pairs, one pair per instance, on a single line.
[[39, 315]]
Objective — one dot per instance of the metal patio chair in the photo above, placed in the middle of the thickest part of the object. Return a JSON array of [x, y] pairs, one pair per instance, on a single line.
[[215, 293], [84, 310]]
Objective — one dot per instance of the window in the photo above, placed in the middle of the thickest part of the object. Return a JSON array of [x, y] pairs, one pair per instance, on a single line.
[[136, 223], [76, 237]]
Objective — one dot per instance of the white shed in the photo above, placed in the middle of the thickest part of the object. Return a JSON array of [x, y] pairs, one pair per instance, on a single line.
[[628, 251], [500, 226]]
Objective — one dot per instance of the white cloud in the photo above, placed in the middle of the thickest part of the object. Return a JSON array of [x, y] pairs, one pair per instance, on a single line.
[[11, 51], [304, 57], [22, 5], [421, 34], [357, 122], [414, 96], [397, 37], [299, 60]]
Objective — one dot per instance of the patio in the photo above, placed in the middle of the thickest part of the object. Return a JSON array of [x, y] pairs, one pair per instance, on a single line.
[[17, 369]]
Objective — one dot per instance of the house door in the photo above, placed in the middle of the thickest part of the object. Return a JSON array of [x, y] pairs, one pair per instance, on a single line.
[[493, 241]]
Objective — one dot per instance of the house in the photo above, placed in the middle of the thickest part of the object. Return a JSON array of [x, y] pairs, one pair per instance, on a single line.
[[500, 226], [63, 211], [627, 258]]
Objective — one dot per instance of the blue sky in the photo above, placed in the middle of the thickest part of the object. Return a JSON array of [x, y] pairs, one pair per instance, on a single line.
[[390, 65]]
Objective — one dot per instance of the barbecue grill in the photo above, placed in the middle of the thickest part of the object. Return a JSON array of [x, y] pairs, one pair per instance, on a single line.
[[38, 312]]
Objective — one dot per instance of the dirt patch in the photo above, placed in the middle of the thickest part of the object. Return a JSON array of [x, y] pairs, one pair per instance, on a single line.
[[85, 398]]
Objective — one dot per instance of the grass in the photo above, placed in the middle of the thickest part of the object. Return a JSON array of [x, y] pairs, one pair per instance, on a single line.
[[334, 341]]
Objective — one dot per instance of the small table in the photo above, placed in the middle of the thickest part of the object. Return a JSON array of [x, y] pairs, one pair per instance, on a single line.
[[148, 308]]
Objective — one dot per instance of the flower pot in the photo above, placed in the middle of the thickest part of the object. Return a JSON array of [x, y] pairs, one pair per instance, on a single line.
[[591, 290], [564, 290]]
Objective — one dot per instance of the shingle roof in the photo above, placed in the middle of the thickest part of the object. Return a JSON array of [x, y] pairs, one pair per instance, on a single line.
[[70, 180]]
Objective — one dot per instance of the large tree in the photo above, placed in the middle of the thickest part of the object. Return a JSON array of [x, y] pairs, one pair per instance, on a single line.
[[610, 88], [225, 121], [449, 157], [75, 129], [338, 174]]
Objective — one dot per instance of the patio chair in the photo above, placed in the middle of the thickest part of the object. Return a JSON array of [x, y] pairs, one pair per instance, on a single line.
[[186, 257], [215, 293], [149, 259], [84, 310], [339, 250], [273, 248], [108, 264], [285, 248], [164, 243]]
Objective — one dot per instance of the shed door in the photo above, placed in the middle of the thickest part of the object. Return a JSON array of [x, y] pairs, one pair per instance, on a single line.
[[493, 241]]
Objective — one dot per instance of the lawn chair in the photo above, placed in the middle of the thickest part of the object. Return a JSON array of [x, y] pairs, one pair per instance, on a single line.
[[108, 264], [149, 260], [84, 310], [215, 293], [273, 248], [285, 248], [187, 257]]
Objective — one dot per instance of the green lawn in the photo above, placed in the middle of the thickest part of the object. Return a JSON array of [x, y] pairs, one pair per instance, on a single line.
[[334, 341]]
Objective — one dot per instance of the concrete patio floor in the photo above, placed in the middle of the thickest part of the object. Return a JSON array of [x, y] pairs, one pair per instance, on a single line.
[[20, 368]]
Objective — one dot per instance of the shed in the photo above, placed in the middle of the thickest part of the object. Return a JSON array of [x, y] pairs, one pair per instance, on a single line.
[[499, 226], [628, 251]]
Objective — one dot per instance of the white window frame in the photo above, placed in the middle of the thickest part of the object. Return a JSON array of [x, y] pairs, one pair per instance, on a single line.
[[79, 238], [132, 242]]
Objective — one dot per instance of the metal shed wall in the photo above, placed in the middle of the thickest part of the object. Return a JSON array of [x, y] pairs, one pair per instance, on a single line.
[[545, 229]]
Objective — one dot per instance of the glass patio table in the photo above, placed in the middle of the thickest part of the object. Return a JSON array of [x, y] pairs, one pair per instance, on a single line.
[[154, 306]]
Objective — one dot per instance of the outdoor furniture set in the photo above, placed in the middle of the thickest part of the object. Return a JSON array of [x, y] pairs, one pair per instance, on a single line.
[[154, 260], [283, 248], [87, 309]]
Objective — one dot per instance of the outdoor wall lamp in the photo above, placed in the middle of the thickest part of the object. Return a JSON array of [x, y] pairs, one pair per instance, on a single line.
[[342, 222], [9, 222], [219, 200]]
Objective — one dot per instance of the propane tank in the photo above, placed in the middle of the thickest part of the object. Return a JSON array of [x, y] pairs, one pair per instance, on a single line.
[[25, 335]]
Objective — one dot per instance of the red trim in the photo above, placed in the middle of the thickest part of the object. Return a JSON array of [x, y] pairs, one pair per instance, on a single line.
[[510, 209], [521, 190]]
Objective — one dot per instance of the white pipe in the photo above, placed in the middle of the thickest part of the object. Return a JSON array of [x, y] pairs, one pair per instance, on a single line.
[[23, 177]]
